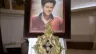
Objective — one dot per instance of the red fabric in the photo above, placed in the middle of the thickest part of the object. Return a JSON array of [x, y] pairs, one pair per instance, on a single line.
[[38, 25]]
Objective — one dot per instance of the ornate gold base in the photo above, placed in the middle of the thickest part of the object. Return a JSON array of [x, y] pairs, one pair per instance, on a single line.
[[48, 43]]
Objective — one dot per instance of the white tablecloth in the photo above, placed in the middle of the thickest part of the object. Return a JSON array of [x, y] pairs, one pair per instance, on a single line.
[[32, 42]]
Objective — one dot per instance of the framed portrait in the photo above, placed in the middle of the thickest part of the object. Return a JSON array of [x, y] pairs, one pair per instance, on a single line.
[[39, 12]]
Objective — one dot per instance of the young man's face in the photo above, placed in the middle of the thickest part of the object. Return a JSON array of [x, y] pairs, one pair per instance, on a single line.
[[48, 8]]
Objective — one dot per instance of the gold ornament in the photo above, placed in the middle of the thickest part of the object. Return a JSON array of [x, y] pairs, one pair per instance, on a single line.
[[48, 43]]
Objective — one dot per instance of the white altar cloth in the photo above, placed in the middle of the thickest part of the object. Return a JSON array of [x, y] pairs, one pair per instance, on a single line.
[[32, 42]]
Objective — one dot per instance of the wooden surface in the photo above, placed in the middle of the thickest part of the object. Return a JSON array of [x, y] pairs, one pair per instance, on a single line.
[[80, 45]]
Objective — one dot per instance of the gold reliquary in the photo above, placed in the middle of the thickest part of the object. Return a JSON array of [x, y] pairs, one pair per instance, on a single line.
[[48, 43]]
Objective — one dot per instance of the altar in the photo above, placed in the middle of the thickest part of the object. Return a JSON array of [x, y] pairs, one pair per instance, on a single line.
[[32, 42]]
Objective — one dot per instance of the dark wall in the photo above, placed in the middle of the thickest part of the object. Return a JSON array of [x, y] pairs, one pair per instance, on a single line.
[[1, 46], [1, 3]]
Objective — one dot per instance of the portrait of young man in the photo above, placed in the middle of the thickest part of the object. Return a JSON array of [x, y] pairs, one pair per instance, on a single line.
[[44, 11]]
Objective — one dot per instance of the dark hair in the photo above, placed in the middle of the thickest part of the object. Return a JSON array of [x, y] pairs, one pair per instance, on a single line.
[[43, 2]]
